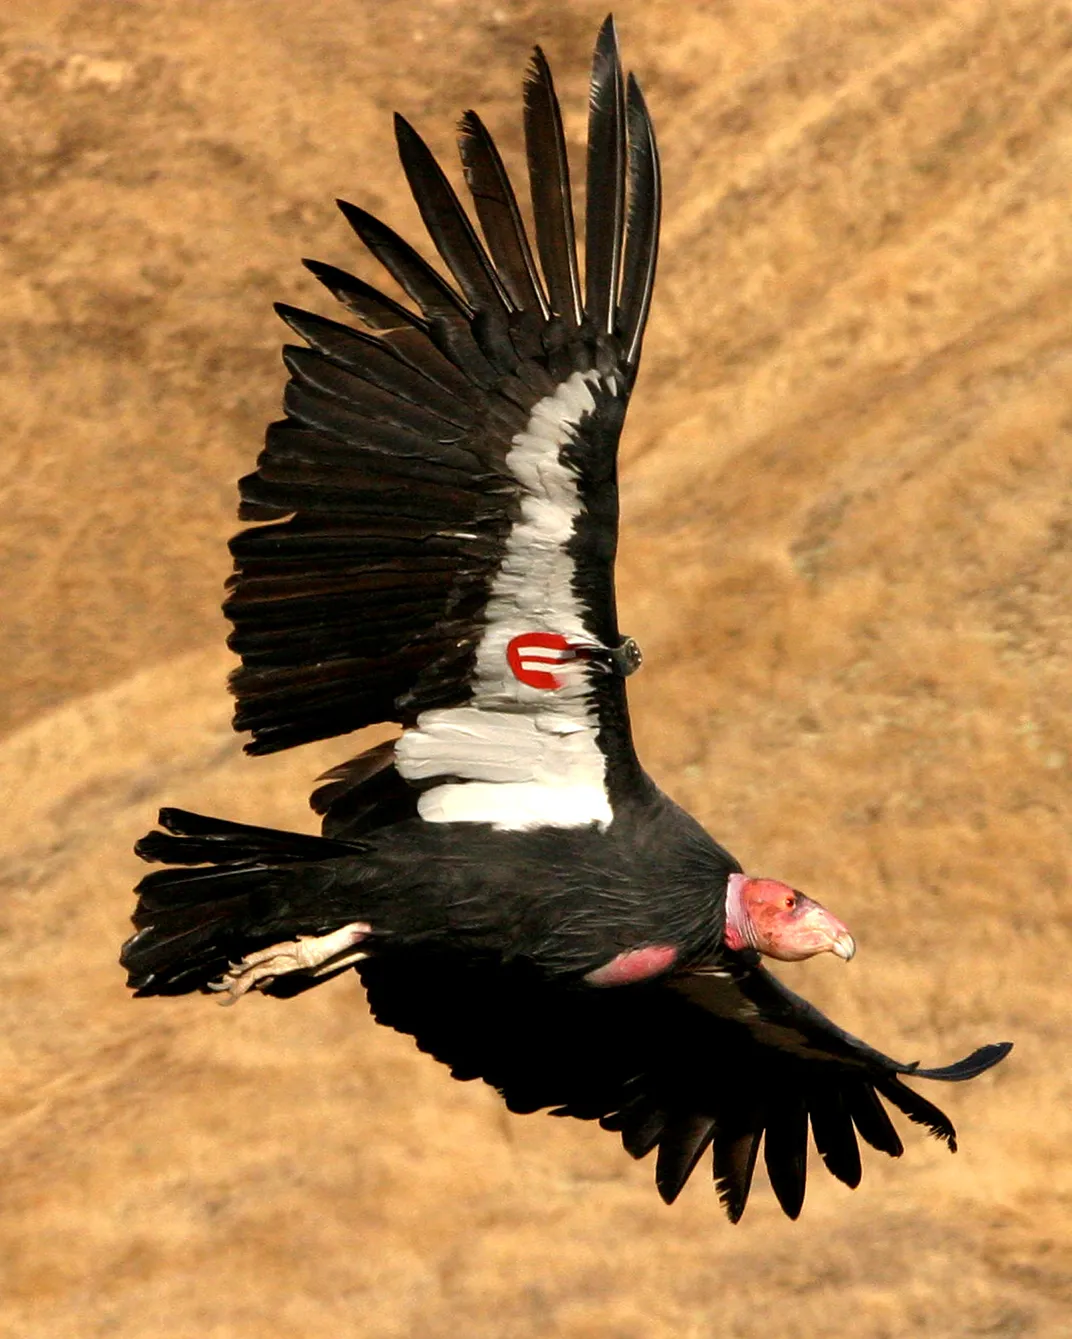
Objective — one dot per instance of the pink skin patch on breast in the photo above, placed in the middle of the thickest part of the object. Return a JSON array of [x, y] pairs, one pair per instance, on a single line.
[[636, 964], [532, 657]]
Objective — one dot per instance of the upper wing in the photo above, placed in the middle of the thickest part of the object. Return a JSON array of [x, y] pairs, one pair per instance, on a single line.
[[442, 495], [682, 1067]]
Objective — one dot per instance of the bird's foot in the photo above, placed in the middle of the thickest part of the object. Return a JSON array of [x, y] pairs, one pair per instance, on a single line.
[[313, 954]]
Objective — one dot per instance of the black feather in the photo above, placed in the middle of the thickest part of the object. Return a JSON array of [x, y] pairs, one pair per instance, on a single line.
[[192, 839], [642, 230], [374, 360], [428, 289], [448, 224], [338, 438], [449, 315], [378, 311], [986, 1057], [870, 1118], [681, 1145], [918, 1109], [304, 541], [268, 655], [304, 723], [785, 1150], [277, 487], [314, 370], [605, 198], [395, 444], [499, 215], [734, 1164], [552, 204], [641, 1124], [834, 1135], [363, 793]]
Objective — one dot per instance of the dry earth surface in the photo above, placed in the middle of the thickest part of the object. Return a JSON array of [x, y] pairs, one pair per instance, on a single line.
[[848, 555]]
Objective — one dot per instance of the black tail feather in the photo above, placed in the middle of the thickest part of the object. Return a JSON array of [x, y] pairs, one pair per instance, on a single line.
[[249, 887], [197, 839]]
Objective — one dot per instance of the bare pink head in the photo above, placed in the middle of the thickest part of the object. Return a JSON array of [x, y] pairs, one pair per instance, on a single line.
[[777, 920]]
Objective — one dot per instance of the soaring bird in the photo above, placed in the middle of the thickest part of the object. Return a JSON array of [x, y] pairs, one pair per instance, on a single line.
[[437, 522]]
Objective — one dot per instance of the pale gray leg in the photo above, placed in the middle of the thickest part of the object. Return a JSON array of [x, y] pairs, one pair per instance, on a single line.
[[312, 954]]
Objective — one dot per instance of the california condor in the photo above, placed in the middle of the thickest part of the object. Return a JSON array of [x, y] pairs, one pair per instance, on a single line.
[[436, 530]]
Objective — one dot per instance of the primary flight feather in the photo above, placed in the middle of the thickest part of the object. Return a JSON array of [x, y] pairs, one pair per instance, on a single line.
[[437, 523]]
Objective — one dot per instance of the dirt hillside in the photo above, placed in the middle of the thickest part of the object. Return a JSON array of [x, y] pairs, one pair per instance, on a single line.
[[847, 555]]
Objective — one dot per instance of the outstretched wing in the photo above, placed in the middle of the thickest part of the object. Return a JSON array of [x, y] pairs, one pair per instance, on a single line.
[[441, 497], [715, 1065]]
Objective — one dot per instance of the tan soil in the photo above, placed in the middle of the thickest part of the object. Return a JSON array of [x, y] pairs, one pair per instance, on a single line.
[[847, 556]]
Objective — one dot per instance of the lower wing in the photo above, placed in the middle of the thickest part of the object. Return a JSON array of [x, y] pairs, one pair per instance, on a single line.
[[672, 1076]]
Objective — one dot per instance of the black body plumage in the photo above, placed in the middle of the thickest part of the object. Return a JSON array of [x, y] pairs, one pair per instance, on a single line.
[[440, 502]]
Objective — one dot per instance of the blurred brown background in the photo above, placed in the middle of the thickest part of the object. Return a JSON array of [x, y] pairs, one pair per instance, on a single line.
[[847, 556]]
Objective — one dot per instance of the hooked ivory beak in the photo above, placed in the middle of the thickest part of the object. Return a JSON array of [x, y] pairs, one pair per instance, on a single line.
[[775, 919]]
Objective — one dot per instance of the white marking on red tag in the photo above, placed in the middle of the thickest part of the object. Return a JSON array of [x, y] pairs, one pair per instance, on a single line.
[[533, 656]]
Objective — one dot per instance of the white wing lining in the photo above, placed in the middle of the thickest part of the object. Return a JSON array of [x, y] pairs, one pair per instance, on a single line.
[[524, 756]]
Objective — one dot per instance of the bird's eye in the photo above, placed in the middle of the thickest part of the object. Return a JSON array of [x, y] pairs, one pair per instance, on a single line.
[[790, 903]]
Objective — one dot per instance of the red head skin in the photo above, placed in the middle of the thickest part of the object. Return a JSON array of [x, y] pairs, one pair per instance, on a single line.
[[777, 920]]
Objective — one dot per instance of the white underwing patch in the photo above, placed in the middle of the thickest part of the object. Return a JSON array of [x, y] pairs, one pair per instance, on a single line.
[[524, 756]]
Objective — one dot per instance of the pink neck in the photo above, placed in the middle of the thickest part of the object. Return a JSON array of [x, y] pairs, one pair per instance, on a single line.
[[738, 932]]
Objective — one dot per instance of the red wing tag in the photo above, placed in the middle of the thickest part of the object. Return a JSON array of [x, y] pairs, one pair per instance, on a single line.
[[533, 656]]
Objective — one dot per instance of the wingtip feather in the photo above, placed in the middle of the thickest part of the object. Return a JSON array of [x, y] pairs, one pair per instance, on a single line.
[[734, 1164], [642, 224], [785, 1151], [606, 181], [549, 183], [986, 1057], [682, 1145]]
